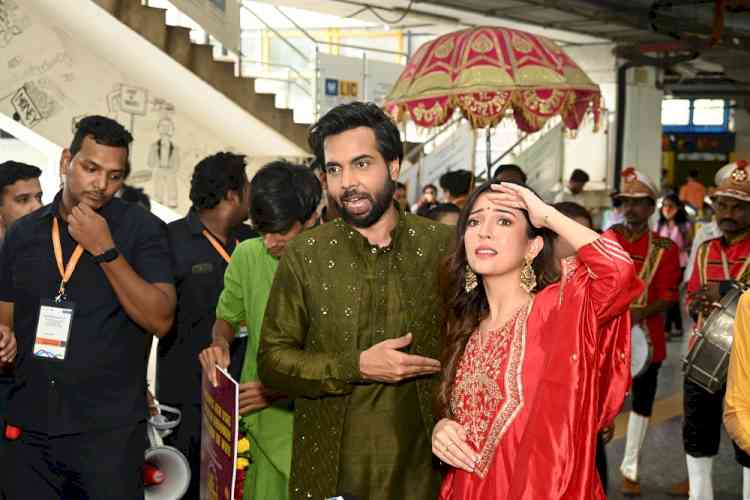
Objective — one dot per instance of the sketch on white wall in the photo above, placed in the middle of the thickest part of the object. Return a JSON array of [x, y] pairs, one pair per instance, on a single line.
[[126, 102], [164, 162], [12, 24], [29, 105]]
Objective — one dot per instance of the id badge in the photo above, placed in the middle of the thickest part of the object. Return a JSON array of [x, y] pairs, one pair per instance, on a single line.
[[241, 331], [53, 329]]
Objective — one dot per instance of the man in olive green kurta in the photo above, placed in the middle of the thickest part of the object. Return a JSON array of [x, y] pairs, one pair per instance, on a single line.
[[344, 297]]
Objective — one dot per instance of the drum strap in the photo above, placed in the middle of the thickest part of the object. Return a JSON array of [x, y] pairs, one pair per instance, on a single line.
[[702, 262], [648, 271], [743, 275], [740, 274]]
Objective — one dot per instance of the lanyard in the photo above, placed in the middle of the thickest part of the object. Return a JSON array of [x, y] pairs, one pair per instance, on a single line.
[[65, 271], [217, 246]]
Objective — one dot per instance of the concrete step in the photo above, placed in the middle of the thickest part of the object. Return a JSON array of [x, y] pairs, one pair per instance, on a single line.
[[150, 22], [179, 45], [110, 6]]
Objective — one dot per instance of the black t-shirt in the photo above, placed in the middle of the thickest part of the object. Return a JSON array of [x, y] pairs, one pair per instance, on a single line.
[[199, 279], [102, 382]]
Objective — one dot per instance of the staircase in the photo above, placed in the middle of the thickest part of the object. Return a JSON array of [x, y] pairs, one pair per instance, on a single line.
[[150, 23]]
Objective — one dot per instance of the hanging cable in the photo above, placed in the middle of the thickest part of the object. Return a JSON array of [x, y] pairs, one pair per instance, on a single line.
[[395, 21], [355, 14], [371, 9]]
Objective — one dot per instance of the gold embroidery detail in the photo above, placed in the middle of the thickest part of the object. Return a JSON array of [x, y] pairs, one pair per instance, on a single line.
[[434, 115], [488, 391], [521, 43], [482, 44], [445, 49]]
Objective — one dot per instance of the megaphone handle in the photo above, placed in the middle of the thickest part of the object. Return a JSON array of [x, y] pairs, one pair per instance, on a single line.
[[153, 435]]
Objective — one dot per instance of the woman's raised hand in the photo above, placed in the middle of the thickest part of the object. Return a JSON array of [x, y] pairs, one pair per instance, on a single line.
[[509, 195]]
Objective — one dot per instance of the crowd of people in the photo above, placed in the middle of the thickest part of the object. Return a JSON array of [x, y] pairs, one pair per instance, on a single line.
[[475, 348]]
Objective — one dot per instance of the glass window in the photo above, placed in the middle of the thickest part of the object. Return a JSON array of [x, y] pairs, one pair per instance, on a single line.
[[252, 46], [281, 53], [675, 112], [417, 41], [708, 112], [380, 42]]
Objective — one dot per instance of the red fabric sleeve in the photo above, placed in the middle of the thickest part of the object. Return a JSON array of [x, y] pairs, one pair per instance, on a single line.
[[613, 284]]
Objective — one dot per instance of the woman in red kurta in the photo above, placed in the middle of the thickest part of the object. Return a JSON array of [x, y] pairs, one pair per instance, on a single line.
[[530, 378]]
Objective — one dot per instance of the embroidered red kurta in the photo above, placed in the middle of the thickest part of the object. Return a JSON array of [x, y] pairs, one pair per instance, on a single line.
[[663, 286], [533, 396]]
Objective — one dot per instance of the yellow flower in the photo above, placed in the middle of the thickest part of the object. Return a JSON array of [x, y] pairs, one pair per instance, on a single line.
[[242, 463], [243, 445]]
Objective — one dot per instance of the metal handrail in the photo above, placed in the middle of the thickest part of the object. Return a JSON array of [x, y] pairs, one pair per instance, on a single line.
[[336, 44], [273, 30], [415, 152], [294, 23], [362, 47], [287, 80], [277, 65]]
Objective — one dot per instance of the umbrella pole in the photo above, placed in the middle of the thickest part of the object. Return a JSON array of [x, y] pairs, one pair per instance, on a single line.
[[489, 152]]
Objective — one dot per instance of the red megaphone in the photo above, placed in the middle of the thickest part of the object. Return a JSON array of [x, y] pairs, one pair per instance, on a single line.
[[152, 475], [12, 432]]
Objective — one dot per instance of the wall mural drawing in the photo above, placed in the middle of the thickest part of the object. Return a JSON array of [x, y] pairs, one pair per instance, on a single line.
[[30, 104], [11, 22], [164, 161], [130, 101]]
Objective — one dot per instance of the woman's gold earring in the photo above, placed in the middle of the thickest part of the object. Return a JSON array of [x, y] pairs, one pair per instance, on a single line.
[[470, 279], [528, 276]]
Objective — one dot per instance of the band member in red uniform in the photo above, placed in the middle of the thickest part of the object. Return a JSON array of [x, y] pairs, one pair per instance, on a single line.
[[657, 263], [718, 263]]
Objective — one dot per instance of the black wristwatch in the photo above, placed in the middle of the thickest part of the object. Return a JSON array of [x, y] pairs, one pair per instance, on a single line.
[[107, 256]]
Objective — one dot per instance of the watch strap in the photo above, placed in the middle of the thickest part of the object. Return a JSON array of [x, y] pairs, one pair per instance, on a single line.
[[107, 256]]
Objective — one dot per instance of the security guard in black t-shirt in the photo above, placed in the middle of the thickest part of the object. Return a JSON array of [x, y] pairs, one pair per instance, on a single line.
[[201, 245], [82, 281]]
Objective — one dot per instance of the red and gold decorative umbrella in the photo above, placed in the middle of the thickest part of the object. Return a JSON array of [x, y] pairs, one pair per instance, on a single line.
[[487, 71]]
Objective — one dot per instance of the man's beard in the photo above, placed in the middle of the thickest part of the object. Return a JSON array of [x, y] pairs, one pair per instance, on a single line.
[[378, 205]]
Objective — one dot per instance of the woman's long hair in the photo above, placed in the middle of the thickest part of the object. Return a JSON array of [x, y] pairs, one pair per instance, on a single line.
[[680, 217], [464, 311]]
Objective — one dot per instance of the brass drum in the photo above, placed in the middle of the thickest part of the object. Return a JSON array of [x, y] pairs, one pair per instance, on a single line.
[[707, 360]]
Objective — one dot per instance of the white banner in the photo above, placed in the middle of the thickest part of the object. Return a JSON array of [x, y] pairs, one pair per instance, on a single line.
[[380, 79], [456, 153], [409, 175], [218, 18], [542, 163], [340, 80]]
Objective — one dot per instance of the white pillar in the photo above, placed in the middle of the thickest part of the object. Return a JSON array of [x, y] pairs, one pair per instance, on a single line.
[[642, 147], [742, 133]]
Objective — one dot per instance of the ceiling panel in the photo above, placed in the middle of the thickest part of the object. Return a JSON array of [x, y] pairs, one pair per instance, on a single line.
[[546, 16]]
